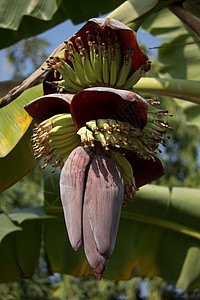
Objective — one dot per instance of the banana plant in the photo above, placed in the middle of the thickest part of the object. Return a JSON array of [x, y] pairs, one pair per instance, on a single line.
[[117, 145]]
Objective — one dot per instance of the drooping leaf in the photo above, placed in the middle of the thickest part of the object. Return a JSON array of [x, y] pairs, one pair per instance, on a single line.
[[22, 19], [6, 226], [14, 120], [20, 246], [26, 214], [179, 61], [28, 241], [19, 162], [8, 263]]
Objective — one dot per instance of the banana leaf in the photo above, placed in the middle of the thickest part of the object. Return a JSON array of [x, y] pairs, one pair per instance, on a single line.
[[176, 63], [159, 235], [16, 155], [20, 241], [14, 120], [19, 162], [22, 19]]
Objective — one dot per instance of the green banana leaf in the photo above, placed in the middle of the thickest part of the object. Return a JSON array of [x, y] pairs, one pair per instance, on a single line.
[[14, 120], [22, 19], [179, 62], [19, 162], [20, 244], [159, 235], [8, 263], [16, 155]]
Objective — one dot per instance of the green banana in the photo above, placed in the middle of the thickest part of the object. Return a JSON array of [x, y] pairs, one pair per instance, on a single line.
[[99, 45], [75, 87], [58, 137], [107, 138], [124, 71], [99, 137], [70, 73], [118, 53], [109, 41], [133, 79], [105, 67], [124, 164], [113, 124], [92, 125], [65, 142], [65, 151], [58, 130], [90, 137], [62, 85], [78, 68], [90, 39], [79, 44], [104, 125], [97, 64], [65, 70], [126, 67], [87, 66], [63, 120], [71, 50], [113, 67], [83, 134]]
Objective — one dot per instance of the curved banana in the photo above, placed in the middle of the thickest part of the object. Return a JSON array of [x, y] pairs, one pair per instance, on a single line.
[[124, 164], [71, 131], [87, 66], [125, 69], [58, 130], [135, 77], [67, 149], [63, 119], [65, 142]]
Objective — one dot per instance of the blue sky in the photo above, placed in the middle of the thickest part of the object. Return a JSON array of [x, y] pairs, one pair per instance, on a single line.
[[62, 32]]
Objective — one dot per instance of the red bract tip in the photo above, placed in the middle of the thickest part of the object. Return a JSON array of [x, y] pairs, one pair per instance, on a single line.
[[98, 276]]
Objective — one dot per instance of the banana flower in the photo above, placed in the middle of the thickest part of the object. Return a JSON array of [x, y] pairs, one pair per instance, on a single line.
[[104, 137]]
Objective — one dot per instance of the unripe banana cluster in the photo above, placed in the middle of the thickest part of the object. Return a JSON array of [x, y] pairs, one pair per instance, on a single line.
[[119, 134], [103, 65], [55, 138]]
